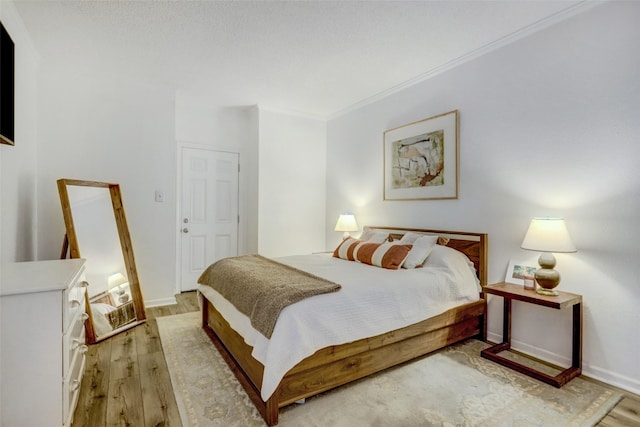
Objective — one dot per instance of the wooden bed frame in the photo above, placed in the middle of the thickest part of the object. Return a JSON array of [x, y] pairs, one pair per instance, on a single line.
[[337, 365]]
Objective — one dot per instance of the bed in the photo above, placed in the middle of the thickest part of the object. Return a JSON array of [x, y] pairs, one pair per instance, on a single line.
[[331, 365]]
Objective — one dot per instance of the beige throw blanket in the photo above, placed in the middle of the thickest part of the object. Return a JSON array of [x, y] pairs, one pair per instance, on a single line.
[[261, 288]]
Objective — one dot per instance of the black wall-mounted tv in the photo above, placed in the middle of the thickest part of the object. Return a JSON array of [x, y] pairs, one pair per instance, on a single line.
[[7, 87]]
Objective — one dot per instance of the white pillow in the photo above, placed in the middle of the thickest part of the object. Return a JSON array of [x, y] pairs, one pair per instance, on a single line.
[[369, 235], [99, 313], [379, 237], [422, 247], [409, 237], [366, 233], [446, 257]]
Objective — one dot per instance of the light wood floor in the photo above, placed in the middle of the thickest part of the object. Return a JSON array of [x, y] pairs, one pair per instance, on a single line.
[[127, 383]]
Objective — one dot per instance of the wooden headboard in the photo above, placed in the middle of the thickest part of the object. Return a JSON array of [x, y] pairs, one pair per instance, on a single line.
[[473, 245]]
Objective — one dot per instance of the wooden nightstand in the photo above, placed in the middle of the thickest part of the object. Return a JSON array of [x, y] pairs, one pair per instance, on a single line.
[[512, 292]]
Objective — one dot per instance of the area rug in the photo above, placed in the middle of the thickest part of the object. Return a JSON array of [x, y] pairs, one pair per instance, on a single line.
[[451, 387]]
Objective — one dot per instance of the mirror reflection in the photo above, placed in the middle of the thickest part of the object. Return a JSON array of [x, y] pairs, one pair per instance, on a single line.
[[97, 231]]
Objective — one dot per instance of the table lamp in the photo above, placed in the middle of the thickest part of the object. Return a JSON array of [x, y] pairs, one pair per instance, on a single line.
[[547, 235], [117, 284], [346, 223]]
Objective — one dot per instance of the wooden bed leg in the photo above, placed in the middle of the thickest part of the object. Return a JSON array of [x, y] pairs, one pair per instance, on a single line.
[[205, 318], [483, 320], [271, 412], [205, 314]]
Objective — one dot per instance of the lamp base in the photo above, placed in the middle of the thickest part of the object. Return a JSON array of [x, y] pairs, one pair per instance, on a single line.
[[548, 292], [546, 277]]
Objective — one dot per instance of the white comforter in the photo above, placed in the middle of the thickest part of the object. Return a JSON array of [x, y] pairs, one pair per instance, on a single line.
[[372, 301]]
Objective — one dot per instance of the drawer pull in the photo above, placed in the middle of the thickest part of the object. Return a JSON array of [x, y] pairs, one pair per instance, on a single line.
[[75, 384], [74, 303], [84, 348], [76, 343], [84, 284], [84, 316]]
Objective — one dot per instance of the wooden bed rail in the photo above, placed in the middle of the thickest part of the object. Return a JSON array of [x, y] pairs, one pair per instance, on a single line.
[[338, 365]]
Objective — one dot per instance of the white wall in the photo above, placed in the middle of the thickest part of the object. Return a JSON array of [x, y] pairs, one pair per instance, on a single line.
[[18, 165], [201, 121], [107, 127], [292, 158], [282, 170], [548, 126]]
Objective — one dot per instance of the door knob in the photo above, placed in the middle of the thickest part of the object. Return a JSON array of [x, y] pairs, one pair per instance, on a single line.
[[185, 230]]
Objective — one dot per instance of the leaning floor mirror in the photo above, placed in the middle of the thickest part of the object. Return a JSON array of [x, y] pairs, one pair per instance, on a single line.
[[96, 230]]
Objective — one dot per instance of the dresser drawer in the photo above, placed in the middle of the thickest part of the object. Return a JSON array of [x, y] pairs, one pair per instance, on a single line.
[[73, 341], [38, 328], [71, 387], [73, 301]]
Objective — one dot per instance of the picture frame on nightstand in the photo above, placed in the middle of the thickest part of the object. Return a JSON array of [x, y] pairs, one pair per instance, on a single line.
[[517, 270]]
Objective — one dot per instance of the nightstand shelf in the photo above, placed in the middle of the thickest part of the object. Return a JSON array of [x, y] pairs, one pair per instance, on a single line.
[[512, 292]]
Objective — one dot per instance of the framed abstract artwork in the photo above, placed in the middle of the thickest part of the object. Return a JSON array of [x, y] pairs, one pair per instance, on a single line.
[[421, 159]]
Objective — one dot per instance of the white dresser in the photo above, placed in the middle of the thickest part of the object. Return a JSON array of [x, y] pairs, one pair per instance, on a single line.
[[42, 342]]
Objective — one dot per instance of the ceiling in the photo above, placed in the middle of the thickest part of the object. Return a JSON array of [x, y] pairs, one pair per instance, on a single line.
[[313, 57]]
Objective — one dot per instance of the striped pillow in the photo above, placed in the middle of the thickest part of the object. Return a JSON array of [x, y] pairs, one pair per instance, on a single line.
[[345, 249], [386, 255]]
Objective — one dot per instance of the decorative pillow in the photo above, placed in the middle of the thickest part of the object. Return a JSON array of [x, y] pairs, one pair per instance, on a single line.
[[370, 235], [386, 255], [452, 260], [421, 249], [410, 237], [100, 313], [444, 241], [345, 249], [367, 233], [379, 237], [444, 256]]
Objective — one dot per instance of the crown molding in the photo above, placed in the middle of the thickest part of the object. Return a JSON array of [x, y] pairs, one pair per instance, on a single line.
[[521, 33]]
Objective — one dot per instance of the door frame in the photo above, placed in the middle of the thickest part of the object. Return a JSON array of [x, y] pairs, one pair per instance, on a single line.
[[180, 146]]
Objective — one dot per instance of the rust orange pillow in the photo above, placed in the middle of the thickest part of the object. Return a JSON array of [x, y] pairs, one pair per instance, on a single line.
[[386, 255], [345, 249]]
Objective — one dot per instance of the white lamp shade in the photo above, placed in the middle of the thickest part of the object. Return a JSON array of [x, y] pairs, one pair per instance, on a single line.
[[116, 279], [548, 235], [346, 222]]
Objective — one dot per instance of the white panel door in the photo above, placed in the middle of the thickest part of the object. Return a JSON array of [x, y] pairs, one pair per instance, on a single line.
[[209, 220]]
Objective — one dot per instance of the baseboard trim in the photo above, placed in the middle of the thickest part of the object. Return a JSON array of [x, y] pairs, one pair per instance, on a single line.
[[160, 302], [614, 379], [606, 376]]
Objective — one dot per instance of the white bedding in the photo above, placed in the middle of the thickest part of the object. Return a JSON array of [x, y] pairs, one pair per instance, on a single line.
[[372, 301]]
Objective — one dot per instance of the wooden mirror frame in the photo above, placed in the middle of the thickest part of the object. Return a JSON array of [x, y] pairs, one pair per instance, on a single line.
[[71, 239]]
